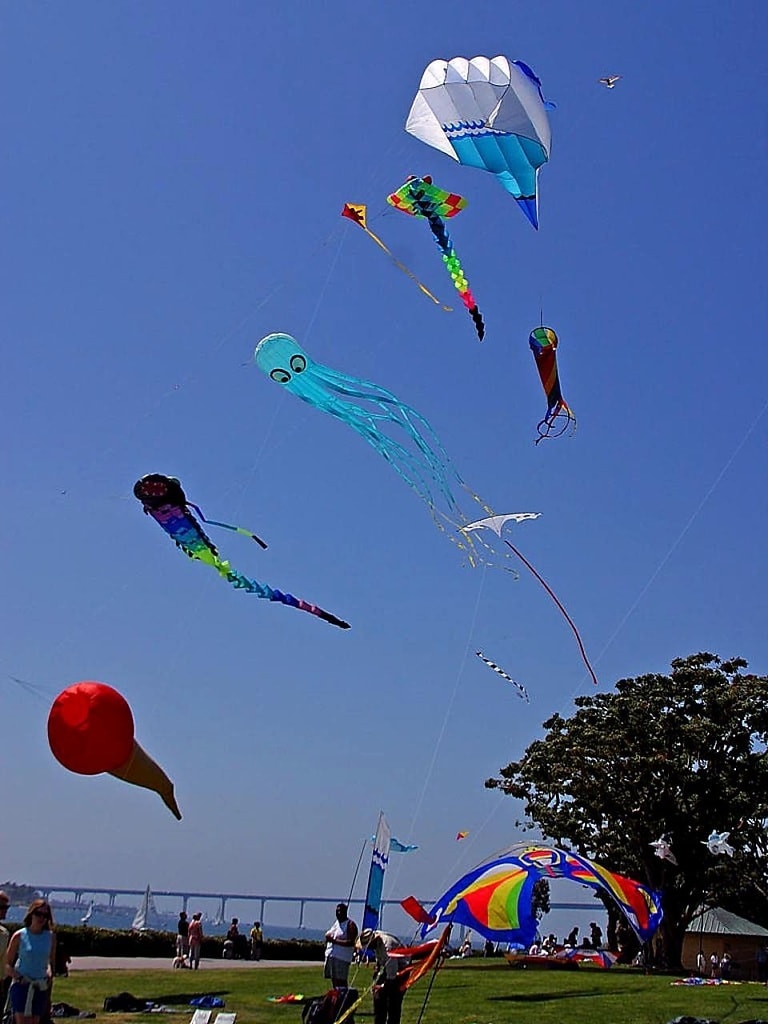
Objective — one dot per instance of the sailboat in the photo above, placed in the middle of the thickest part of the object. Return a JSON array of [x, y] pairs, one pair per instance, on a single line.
[[88, 914], [218, 920], [147, 917]]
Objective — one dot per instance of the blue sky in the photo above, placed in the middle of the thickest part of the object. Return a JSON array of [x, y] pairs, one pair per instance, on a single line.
[[172, 178]]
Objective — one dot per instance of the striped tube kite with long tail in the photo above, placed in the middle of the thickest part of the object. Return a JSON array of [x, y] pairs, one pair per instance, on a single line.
[[496, 898], [163, 498], [521, 690], [559, 417], [420, 198]]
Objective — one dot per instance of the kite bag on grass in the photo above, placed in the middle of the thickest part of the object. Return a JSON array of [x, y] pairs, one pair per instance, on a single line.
[[328, 1008]]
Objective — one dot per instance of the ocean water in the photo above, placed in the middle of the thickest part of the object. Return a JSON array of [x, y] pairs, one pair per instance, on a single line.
[[121, 918]]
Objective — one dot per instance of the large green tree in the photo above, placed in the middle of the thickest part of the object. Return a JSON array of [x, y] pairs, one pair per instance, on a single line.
[[679, 754]]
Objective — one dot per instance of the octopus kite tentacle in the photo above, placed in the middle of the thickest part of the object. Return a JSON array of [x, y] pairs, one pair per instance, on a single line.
[[415, 452], [164, 500]]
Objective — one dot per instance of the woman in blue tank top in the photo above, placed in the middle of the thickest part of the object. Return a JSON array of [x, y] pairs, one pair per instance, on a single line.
[[30, 960]]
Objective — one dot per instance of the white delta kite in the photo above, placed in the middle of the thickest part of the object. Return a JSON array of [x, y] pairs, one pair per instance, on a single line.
[[717, 843], [663, 849]]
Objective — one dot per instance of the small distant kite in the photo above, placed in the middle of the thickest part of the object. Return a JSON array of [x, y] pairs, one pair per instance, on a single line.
[[521, 690], [163, 498], [358, 214], [663, 849], [609, 81], [490, 113], [395, 846], [496, 523], [543, 342], [90, 731], [461, 835], [420, 198], [717, 843]]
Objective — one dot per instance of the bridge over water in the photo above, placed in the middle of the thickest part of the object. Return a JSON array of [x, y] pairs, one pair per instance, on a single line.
[[78, 894]]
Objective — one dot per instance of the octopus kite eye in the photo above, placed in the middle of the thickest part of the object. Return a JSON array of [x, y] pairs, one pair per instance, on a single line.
[[298, 363], [281, 376]]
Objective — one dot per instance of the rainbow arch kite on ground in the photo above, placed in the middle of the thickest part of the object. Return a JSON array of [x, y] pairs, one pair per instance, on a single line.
[[496, 898]]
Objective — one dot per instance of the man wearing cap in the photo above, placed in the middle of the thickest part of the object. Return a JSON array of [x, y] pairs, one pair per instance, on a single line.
[[388, 991], [340, 948]]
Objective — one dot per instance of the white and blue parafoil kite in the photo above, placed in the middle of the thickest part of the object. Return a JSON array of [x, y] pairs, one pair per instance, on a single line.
[[487, 112]]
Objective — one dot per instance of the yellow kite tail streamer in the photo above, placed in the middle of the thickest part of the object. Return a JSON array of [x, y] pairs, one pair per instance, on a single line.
[[357, 212]]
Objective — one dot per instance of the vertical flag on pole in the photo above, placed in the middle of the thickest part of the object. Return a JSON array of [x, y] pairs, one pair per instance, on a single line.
[[379, 861]]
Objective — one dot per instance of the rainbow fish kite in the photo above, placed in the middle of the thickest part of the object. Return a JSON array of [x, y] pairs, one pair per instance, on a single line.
[[420, 198], [495, 899], [543, 342], [163, 498], [358, 214]]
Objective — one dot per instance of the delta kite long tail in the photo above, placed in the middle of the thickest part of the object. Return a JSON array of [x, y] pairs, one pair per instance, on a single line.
[[164, 500], [552, 594], [357, 213]]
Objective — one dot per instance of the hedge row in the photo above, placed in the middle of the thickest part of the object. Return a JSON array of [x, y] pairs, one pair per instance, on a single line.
[[83, 941]]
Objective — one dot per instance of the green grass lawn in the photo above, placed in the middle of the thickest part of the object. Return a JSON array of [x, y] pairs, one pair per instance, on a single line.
[[463, 993]]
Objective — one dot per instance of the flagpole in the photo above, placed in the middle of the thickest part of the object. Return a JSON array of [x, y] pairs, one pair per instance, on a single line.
[[357, 868]]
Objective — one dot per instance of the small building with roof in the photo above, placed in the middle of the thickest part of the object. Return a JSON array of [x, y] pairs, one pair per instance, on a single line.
[[715, 930]]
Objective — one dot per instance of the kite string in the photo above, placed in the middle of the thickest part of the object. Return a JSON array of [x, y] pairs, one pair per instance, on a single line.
[[552, 594], [449, 708], [676, 543], [678, 540]]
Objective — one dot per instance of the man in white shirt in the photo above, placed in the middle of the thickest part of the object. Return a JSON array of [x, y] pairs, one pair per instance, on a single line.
[[340, 948]]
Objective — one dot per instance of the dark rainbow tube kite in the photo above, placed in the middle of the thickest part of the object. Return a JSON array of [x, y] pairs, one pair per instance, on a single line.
[[163, 498]]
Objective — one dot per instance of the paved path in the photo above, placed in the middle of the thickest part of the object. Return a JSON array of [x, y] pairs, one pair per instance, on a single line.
[[151, 963]]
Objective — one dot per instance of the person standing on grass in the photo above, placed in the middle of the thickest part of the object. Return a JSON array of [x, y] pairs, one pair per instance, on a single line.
[[257, 940], [30, 961], [195, 937], [182, 936], [340, 948]]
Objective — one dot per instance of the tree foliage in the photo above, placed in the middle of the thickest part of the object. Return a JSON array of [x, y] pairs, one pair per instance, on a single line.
[[540, 901], [679, 754]]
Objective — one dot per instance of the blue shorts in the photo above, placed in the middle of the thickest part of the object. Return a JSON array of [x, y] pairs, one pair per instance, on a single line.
[[18, 998]]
